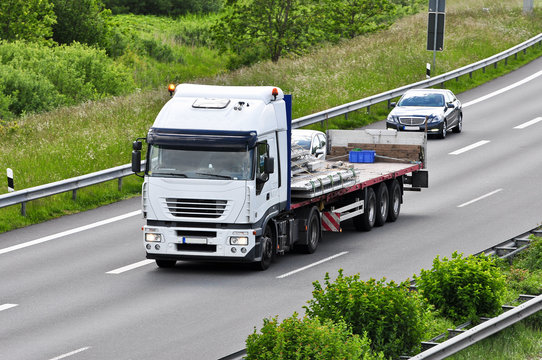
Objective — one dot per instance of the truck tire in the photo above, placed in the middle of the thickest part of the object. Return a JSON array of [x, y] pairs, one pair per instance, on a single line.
[[266, 244], [382, 204], [366, 221], [165, 264], [394, 191], [314, 232]]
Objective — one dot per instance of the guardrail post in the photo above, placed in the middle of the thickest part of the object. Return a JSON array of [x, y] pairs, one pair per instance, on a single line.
[[495, 65], [23, 209], [484, 69], [120, 184], [369, 109], [74, 194], [505, 61], [470, 75]]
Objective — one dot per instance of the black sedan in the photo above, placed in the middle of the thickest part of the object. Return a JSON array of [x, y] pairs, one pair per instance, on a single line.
[[437, 110]]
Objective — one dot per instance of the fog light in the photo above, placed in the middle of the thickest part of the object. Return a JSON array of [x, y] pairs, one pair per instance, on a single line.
[[157, 247], [244, 250], [233, 250]]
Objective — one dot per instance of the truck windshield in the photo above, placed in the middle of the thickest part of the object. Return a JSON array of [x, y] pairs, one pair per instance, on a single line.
[[195, 164]]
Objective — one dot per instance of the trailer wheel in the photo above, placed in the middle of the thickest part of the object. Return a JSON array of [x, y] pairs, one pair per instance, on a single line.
[[266, 243], [313, 232], [165, 264], [366, 221], [395, 200], [382, 204]]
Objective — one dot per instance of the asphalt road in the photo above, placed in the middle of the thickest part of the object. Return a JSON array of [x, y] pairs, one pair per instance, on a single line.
[[65, 291]]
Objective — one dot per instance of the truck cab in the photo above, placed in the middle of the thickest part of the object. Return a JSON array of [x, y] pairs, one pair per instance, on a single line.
[[216, 173]]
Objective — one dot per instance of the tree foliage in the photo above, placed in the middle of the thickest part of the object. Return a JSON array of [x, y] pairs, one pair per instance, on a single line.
[[30, 20], [259, 29], [163, 7], [264, 27], [84, 21]]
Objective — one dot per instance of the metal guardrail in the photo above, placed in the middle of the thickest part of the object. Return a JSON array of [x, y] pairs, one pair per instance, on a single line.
[[388, 95], [23, 196]]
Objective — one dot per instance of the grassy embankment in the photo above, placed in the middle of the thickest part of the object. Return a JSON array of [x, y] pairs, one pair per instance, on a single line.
[[97, 135]]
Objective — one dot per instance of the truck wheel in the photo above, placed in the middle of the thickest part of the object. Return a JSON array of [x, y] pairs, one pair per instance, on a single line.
[[313, 232], [395, 200], [382, 204], [366, 221], [266, 244], [165, 263]]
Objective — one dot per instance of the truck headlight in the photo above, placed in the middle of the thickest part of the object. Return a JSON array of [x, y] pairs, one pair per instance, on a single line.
[[153, 237], [239, 240]]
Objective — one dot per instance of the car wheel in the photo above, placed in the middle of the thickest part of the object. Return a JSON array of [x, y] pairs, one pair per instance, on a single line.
[[394, 191], [442, 134], [366, 221], [459, 125], [382, 204]]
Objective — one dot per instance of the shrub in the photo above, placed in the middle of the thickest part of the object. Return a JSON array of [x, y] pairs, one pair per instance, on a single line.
[[531, 258], [393, 317], [525, 281], [307, 338], [463, 288]]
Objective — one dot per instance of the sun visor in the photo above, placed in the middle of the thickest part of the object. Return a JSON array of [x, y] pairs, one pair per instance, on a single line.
[[203, 139]]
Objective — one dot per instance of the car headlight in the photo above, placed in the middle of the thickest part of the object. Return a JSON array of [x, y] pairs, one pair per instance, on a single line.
[[239, 240], [434, 118], [153, 237], [392, 118]]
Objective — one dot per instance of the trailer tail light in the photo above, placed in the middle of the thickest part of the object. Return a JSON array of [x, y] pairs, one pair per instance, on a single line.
[[171, 89]]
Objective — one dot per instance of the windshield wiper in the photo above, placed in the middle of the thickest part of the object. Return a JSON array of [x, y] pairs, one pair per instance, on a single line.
[[216, 175], [169, 174]]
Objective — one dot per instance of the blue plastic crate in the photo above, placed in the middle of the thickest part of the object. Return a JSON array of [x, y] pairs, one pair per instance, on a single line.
[[363, 156]]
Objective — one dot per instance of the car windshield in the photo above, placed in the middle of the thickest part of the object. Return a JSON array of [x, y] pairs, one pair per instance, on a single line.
[[301, 141], [422, 99], [196, 164]]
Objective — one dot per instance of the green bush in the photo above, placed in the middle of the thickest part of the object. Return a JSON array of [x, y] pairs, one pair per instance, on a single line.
[[531, 258], [525, 281], [36, 77], [307, 338], [393, 317], [463, 288]]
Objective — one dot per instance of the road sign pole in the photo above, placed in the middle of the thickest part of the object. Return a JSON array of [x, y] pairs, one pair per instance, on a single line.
[[435, 37]]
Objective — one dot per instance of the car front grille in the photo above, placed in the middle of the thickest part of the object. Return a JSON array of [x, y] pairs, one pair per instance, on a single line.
[[412, 120], [196, 208]]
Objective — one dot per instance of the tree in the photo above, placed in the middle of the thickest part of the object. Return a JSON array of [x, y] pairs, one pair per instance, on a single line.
[[83, 21], [30, 20], [273, 27], [350, 18]]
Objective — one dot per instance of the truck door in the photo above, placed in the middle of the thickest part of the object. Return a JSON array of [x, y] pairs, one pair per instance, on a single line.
[[267, 185]]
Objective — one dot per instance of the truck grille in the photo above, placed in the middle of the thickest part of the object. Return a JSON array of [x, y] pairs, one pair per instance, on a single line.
[[412, 120], [196, 208]]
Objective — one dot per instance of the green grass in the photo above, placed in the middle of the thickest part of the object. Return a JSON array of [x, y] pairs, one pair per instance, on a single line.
[[97, 135]]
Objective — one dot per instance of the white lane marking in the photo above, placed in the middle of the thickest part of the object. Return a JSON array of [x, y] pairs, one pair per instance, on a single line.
[[7, 306], [130, 267], [312, 265], [529, 123], [498, 92], [68, 232], [479, 198], [470, 147], [63, 356]]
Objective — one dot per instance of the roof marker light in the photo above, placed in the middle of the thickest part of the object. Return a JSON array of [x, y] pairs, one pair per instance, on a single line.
[[275, 93], [171, 89]]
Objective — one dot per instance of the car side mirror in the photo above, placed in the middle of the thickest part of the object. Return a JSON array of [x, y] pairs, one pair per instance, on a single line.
[[450, 105], [393, 104]]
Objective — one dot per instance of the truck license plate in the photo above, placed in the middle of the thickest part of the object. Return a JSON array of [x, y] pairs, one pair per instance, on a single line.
[[415, 128], [187, 240]]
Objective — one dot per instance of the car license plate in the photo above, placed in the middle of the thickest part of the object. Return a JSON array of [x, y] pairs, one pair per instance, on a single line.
[[411, 128], [187, 240]]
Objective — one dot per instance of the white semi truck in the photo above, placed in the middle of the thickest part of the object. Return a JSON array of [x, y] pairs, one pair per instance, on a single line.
[[220, 183]]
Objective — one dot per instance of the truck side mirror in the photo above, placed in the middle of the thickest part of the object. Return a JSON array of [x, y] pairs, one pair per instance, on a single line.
[[136, 161], [269, 165], [137, 145]]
